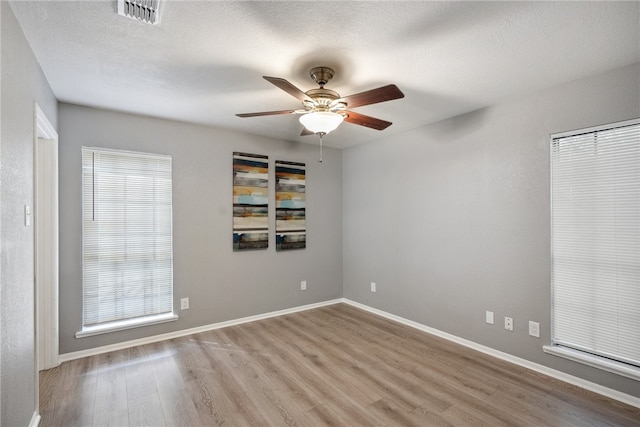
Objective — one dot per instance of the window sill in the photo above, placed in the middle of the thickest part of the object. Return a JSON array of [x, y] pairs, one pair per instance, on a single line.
[[605, 364], [126, 324]]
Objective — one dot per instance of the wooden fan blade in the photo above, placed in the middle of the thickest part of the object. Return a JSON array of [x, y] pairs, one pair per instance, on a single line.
[[368, 121], [266, 113], [306, 132], [288, 87], [373, 96]]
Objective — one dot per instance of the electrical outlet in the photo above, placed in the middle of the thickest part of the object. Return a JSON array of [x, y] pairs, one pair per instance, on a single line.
[[508, 323], [373, 286], [184, 304], [534, 329], [489, 317], [303, 285]]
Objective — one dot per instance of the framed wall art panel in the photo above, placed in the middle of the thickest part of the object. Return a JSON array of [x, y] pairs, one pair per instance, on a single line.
[[250, 201], [290, 205]]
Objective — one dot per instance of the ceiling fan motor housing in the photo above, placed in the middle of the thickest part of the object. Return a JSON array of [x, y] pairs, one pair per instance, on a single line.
[[323, 100]]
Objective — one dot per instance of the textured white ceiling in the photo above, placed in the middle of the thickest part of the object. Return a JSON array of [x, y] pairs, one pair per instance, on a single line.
[[206, 59]]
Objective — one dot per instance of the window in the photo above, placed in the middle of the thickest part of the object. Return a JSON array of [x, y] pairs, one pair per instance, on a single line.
[[127, 257], [595, 239]]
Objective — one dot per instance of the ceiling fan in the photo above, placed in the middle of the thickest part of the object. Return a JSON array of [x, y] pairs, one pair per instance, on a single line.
[[324, 109]]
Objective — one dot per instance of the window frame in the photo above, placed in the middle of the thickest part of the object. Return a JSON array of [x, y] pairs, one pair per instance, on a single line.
[[629, 370], [134, 322]]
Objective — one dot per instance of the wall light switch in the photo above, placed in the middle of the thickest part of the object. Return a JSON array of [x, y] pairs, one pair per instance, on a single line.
[[373, 286], [27, 215]]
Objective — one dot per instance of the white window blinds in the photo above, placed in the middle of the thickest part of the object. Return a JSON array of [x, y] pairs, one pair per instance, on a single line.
[[595, 185], [126, 236]]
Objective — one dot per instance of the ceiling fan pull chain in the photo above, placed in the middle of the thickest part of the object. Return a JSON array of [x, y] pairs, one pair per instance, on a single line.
[[321, 135]]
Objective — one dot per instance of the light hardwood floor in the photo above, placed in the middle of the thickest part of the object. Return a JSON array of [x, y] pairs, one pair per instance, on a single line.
[[335, 365]]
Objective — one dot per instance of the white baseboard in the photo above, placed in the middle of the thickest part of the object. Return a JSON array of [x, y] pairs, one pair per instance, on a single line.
[[35, 419], [177, 334], [587, 385]]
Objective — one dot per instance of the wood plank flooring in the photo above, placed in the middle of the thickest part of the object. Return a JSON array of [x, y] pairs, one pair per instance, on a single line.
[[334, 365]]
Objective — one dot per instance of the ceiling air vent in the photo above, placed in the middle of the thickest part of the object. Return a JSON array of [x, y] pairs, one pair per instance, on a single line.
[[142, 10]]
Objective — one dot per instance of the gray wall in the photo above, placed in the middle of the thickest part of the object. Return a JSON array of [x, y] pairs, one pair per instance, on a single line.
[[452, 219], [221, 284], [22, 84]]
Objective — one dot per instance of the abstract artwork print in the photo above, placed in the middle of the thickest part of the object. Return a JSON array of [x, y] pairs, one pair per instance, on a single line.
[[250, 201], [290, 206]]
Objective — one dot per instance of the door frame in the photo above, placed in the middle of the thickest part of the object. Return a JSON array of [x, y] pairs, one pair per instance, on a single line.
[[46, 242]]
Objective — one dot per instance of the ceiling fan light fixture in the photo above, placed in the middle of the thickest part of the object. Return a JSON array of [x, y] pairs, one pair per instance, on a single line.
[[321, 121]]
